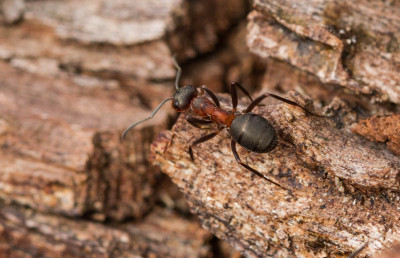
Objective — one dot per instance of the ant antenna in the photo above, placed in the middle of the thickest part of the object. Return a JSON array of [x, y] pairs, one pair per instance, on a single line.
[[179, 71], [141, 121], [178, 76]]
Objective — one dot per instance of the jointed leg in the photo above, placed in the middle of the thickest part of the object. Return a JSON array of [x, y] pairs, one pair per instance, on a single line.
[[198, 123], [260, 98], [203, 138], [233, 147], [245, 92], [359, 250], [234, 97], [211, 94], [234, 94]]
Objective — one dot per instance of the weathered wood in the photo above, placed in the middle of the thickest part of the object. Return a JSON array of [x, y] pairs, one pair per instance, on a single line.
[[26, 233], [61, 150], [381, 129], [231, 62], [345, 191], [199, 24], [353, 44], [12, 10], [99, 66], [393, 252], [130, 38]]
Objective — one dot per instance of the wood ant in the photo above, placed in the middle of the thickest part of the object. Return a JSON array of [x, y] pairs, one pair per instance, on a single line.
[[251, 131]]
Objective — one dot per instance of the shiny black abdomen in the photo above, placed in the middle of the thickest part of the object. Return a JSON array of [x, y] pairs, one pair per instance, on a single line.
[[254, 132]]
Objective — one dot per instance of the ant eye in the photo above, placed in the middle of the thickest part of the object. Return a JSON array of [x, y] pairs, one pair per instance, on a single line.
[[176, 104]]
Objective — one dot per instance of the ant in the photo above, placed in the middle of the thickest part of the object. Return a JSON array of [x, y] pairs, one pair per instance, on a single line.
[[251, 131]]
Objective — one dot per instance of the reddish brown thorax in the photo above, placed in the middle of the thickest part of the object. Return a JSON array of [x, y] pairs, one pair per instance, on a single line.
[[203, 107]]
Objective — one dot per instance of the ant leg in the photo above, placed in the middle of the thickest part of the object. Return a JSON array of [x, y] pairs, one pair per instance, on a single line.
[[198, 123], [233, 147], [234, 97], [236, 84], [260, 98], [359, 250], [203, 138], [211, 94]]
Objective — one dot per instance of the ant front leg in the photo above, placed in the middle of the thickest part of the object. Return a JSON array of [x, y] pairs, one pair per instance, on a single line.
[[198, 123], [238, 160], [204, 138], [260, 98]]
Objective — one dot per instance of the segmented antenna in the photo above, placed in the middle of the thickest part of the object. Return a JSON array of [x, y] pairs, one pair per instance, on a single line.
[[141, 121], [178, 76], [178, 73]]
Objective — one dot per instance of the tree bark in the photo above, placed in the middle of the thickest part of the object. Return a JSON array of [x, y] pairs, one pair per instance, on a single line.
[[27, 233], [342, 190], [71, 72], [352, 44], [73, 76]]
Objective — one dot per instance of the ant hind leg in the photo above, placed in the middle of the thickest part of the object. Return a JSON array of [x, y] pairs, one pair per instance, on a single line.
[[238, 160], [203, 138], [263, 96]]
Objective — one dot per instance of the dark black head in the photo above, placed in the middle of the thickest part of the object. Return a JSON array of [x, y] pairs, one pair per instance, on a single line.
[[183, 97]]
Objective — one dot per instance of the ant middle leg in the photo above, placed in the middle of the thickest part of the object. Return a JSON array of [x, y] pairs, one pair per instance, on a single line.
[[234, 95], [203, 138], [238, 160], [245, 92], [263, 96], [211, 94]]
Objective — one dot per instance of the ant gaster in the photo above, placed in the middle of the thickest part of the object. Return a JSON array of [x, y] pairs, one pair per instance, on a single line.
[[252, 131]]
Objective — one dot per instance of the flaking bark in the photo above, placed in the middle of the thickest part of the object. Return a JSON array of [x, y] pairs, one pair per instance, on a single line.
[[28, 233], [345, 190], [354, 44]]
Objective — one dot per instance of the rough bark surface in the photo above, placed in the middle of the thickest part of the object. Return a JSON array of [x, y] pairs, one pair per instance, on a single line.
[[381, 129], [353, 44], [64, 157], [73, 76], [344, 190], [27, 233]]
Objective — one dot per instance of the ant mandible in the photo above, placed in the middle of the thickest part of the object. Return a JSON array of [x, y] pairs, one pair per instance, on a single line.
[[251, 131]]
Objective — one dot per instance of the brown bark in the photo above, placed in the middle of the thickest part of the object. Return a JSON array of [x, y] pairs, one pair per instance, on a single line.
[[344, 189], [81, 66], [354, 44], [73, 76], [26, 233], [61, 149], [381, 129]]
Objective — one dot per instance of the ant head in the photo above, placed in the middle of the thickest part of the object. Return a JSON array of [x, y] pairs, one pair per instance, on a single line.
[[183, 97]]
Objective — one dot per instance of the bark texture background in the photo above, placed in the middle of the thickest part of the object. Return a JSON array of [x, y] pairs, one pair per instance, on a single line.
[[74, 74], [345, 188]]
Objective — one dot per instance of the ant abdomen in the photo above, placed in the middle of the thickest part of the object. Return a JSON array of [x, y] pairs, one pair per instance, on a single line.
[[254, 133]]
